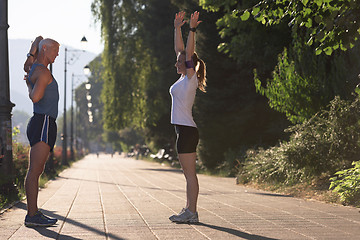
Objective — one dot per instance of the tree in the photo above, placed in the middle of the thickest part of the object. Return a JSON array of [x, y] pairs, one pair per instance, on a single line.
[[302, 82], [330, 24], [137, 66]]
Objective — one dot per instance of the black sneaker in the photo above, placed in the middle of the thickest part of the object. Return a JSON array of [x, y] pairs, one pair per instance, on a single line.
[[39, 220]]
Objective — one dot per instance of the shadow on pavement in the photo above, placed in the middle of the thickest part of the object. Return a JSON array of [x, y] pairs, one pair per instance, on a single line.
[[162, 170], [235, 232], [270, 194], [52, 234], [46, 232]]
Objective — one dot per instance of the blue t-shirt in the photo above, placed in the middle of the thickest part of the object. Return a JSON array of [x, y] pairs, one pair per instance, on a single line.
[[48, 104]]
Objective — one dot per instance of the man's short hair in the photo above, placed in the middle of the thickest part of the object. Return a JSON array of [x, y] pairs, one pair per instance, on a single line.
[[48, 42]]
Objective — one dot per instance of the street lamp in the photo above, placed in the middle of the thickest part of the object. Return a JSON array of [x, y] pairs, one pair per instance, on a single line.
[[6, 159], [88, 86], [64, 150], [86, 73], [72, 155], [88, 96]]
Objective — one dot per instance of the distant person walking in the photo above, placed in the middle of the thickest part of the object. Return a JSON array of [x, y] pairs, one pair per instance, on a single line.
[[193, 76], [41, 129]]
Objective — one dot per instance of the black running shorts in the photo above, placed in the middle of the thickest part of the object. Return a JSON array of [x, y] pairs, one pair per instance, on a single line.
[[42, 128], [187, 139]]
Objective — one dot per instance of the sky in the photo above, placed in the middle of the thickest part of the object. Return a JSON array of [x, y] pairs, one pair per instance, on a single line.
[[66, 21]]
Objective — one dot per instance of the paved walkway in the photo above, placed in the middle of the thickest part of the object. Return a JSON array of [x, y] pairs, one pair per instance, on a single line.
[[121, 198]]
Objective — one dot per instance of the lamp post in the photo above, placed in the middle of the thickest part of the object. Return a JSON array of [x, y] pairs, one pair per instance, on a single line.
[[86, 72], [6, 105], [72, 119], [64, 150]]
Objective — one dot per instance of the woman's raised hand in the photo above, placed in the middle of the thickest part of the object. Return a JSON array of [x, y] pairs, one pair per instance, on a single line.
[[179, 20], [194, 20]]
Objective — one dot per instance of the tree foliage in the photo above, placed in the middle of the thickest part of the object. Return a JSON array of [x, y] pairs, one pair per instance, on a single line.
[[346, 184], [330, 24], [138, 65], [303, 82]]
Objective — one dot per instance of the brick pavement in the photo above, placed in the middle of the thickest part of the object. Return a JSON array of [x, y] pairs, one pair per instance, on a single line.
[[122, 198]]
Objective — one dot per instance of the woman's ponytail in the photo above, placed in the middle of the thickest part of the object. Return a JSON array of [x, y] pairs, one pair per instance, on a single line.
[[200, 69]]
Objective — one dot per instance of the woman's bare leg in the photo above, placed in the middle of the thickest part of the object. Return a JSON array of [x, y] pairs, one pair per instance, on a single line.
[[188, 164]]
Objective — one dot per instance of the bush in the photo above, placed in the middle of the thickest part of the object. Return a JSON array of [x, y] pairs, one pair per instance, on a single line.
[[322, 145], [233, 162], [21, 161], [347, 184], [11, 187]]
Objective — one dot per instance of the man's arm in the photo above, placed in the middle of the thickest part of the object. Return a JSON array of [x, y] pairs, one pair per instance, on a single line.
[[32, 55], [42, 77]]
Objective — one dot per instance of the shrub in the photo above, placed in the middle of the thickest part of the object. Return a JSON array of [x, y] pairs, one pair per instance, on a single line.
[[21, 161], [233, 160], [325, 143], [11, 187], [347, 184]]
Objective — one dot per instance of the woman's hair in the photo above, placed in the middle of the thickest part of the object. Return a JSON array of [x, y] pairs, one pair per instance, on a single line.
[[200, 69]]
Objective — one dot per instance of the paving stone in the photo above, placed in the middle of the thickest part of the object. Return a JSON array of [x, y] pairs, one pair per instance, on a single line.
[[122, 198]]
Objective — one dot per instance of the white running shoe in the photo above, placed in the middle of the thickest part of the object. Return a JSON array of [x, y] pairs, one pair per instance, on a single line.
[[185, 216]]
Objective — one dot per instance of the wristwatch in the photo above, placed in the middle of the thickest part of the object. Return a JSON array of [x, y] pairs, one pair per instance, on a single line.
[[30, 54]]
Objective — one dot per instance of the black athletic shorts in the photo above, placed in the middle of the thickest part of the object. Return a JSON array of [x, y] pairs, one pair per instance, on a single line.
[[42, 128], [187, 139]]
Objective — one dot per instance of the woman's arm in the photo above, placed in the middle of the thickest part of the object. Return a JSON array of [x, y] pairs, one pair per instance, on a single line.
[[178, 40], [190, 45]]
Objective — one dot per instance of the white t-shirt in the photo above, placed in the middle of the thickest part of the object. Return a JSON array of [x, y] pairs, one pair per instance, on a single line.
[[183, 93]]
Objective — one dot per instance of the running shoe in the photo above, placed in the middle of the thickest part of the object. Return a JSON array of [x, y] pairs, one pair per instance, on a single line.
[[176, 215], [39, 220], [185, 216]]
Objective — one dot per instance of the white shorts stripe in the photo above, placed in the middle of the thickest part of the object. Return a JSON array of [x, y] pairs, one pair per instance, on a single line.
[[47, 129], [45, 123]]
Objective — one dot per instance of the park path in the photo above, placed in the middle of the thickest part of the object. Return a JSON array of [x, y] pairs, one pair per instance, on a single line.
[[123, 198]]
